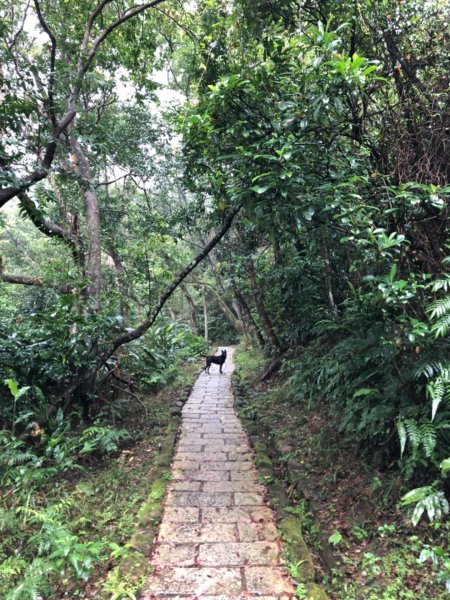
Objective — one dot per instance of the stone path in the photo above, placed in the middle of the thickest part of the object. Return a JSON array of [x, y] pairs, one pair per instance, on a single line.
[[217, 539]]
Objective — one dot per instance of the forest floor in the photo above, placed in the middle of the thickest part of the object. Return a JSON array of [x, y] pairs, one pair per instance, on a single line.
[[365, 545]]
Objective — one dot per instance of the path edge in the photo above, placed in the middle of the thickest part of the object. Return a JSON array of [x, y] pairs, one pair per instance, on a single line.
[[295, 547], [129, 576]]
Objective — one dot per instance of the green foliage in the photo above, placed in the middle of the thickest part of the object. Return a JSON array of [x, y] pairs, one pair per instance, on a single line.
[[57, 552], [426, 499]]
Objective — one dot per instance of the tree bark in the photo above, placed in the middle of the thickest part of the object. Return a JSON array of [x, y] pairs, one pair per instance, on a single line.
[[240, 298], [93, 258], [205, 313], [192, 308], [329, 277], [51, 229], [260, 306], [121, 282]]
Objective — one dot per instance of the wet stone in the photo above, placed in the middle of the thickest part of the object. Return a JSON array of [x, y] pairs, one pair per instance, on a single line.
[[185, 486], [239, 554], [237, 514], [217, 539], [232, 486], [268, 580], [198, 499], [197, 475], [195, 533], [182, 514], [253, 532], [185, 580], [245, 498], [182, 555]]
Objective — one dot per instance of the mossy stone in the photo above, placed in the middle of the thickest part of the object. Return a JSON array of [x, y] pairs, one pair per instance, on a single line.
[[142, 540], [297, 549], [315, 592]]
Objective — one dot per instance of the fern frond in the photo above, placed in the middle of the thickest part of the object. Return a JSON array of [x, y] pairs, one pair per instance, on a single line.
[[429, 369], [402, 435], [441, 284], [428, 438], [439, 307], [442, 326], [413, 433]]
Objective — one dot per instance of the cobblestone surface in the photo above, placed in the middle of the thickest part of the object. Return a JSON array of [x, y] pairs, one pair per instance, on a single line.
[[217, 539]]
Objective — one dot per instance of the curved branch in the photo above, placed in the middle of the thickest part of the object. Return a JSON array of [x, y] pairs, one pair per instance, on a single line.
[[51, 79], [151, 318], [129, 14], [48, 228]]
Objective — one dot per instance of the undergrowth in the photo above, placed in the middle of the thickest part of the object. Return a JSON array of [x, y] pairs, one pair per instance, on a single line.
[[365, 543], [68, 507]]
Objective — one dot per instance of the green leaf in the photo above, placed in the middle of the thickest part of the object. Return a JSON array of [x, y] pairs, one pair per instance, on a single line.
[[335, 538], [260, 189], [364, 392], [13, 387], [416, 495], [445, 466]]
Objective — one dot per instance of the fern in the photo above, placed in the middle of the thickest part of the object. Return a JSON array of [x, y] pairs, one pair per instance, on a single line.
[[439, 308], [428, 438], [413, 433], [439, 389], [403, 436], [441, 284], [419, 435], [442, 326]]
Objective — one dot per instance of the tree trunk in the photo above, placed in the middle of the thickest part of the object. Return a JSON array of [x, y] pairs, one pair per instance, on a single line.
[[121, 283], [235, 322], [93, 260], [329, 277], [240, 298], [260, 307], [192, 308], [205, 314]]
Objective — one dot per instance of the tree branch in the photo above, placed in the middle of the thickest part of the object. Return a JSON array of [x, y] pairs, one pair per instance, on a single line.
[[51, 79], [151, 317], [129, 14], [48, 228], [20, 279]]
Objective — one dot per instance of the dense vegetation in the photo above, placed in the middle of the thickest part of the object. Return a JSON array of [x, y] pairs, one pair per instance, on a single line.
[[287, 186]]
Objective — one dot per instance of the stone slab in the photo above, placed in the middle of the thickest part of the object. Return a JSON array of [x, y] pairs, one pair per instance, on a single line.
[[182, 555], [268, 580], [197, 581], [195, 533], [199, 499], [238, 554], [237, 514]]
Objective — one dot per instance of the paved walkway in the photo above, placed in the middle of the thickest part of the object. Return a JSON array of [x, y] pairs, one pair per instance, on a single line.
[[217, 539]]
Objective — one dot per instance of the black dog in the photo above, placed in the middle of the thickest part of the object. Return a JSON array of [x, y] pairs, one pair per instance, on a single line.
[[215, 360]]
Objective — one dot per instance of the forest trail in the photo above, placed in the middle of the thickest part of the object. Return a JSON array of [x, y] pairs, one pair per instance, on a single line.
[[217, 539]]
